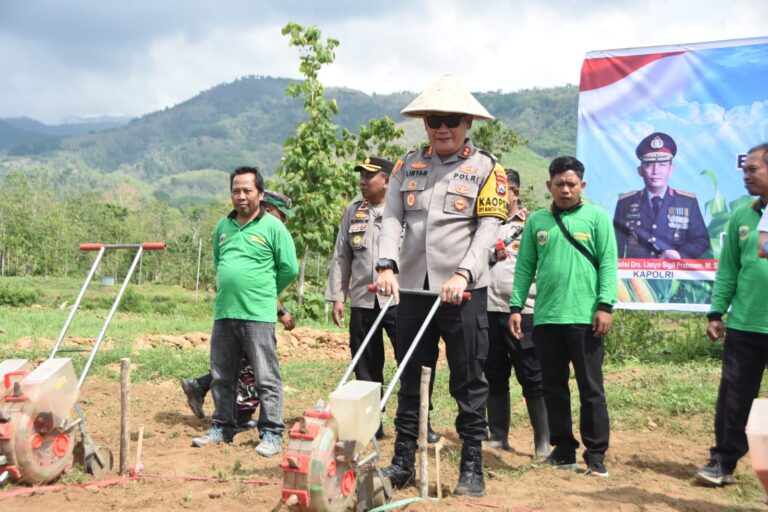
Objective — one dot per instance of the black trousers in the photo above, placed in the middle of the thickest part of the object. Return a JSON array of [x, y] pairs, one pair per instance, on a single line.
[[465, 331], [559, 345], [505, 352], [744, 359], [371, 365]]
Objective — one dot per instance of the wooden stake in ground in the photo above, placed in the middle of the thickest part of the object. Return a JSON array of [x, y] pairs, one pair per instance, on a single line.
[[423, 422], [125, 413], [139, 443]]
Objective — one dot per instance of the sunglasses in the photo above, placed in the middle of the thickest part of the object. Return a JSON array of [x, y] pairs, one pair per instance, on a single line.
[[450, 120]]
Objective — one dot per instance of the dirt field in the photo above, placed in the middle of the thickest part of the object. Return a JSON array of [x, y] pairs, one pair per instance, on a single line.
[[649, 471]]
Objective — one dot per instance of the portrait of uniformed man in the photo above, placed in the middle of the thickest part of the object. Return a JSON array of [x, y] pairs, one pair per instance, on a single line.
[[659, 221]]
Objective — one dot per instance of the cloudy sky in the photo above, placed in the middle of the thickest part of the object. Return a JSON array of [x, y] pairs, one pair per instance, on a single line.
[[68, 58]]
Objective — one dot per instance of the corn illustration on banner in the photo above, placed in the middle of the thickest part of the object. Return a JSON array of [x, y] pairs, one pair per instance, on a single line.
[[662, 132]]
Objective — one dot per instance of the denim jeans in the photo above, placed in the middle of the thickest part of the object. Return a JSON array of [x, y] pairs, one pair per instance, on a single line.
[[229, 339]]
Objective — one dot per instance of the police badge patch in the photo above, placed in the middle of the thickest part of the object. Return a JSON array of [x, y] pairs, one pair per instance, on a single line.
[[541, 237]]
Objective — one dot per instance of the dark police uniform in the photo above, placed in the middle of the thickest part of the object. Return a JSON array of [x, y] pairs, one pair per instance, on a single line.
[[647, 226], [678, 225]]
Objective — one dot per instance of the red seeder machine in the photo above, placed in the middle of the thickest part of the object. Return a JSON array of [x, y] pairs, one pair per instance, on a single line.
[[328, 462], [39, 410]]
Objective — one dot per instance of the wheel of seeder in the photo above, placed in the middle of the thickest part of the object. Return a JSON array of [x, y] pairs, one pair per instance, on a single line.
[[318, 472], [36, 450]]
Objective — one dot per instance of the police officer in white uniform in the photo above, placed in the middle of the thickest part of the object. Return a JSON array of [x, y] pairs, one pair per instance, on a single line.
[[447, 202]]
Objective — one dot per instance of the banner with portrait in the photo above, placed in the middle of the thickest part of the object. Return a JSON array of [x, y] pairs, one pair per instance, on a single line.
[[662, 132]]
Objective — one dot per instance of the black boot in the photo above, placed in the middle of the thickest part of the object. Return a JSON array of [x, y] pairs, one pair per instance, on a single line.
[[471, 481], [497, 410], [401, 472], [537, 411], [432, 436]]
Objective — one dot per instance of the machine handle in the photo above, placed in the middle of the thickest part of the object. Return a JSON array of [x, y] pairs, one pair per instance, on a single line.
[[147, 246], [464, 296]]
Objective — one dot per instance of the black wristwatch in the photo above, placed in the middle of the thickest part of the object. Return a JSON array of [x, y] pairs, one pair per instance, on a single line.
[[281, 312], [384, 264]]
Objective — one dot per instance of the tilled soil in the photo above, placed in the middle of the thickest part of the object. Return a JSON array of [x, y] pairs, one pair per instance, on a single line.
[[649, 470]]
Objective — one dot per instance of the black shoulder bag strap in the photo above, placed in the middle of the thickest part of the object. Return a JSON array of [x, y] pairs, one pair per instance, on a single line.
[[579, 247]]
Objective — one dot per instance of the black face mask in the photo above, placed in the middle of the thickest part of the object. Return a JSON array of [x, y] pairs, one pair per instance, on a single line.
[[450, 120]]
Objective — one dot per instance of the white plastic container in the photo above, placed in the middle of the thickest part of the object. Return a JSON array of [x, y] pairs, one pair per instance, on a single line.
[[52, 386], [10, 366], [757, 438], [355, 406]]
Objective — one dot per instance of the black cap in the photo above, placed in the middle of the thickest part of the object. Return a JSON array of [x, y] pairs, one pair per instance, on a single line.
[[657, 147], [375, 164]]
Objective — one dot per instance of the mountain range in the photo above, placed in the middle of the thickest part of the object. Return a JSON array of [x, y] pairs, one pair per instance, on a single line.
[[181, 152]]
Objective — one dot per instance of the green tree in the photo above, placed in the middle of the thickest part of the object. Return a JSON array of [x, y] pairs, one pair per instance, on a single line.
[[377, 138], [496, 138], [310, 171]]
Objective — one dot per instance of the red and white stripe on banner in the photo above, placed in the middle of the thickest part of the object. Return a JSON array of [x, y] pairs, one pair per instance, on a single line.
[[642, 268]]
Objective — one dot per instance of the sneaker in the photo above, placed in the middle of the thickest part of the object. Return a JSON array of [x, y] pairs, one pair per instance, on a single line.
[[269, 445], [712, 474], [195, 396], [561, 458], [596, 469], [213, 435]]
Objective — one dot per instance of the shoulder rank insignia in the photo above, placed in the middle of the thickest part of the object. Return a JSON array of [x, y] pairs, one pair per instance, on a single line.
[[629, 194], [682, 193], [398, 166]]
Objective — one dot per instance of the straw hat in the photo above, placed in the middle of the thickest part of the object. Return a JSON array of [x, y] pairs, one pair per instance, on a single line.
[[446, 95]]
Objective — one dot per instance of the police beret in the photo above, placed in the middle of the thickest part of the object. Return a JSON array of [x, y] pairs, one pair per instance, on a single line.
[[657, 147], [279, 201], [374, 164]]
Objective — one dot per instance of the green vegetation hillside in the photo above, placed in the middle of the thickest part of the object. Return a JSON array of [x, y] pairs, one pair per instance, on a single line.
[[179, 154]]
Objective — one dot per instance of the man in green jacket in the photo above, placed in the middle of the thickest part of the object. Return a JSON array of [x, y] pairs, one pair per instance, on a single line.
[[570, 249], [255, 259], [739, 283]]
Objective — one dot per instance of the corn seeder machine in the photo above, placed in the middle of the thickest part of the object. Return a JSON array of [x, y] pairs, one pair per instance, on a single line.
[[328, 462], [39, 410]]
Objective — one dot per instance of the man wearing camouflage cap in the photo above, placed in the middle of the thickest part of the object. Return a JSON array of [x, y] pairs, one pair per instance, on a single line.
[[659, 221], [446, 201], [278, 205]]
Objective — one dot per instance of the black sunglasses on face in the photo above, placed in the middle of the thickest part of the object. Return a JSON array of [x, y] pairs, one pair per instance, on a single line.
[[450, 120]]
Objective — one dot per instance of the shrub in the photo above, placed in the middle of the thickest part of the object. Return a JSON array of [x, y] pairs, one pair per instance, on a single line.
[[647, 336], [16, 297]]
